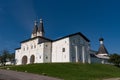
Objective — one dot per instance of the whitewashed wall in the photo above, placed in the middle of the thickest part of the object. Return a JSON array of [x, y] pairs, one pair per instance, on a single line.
[[36, 48], [57, 50], [47, 52], [39, 53], [18, 56]]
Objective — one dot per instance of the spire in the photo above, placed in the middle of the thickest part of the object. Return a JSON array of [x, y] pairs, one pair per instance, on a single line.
[[41, 29], [34, 33], [102, 49]]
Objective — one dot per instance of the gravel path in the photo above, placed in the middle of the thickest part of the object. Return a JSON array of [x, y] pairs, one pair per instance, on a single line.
[[13, 75]]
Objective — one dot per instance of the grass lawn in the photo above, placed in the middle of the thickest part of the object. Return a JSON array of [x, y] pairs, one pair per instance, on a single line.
[[72, 71]]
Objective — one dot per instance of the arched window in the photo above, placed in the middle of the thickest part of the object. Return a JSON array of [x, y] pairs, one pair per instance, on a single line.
[[32, 59], [23, 48], [31, 46], [34, 46], [27, 48], [24, 60]]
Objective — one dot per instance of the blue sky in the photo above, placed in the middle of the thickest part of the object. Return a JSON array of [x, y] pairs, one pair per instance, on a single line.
[[93, 18]]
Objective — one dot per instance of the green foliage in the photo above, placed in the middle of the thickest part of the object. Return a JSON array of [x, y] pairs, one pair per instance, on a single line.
[[6, 56], [115, 59], [71, 71]]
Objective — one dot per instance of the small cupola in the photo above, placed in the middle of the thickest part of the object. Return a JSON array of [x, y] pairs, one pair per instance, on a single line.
[[102, 50], [101, 40]]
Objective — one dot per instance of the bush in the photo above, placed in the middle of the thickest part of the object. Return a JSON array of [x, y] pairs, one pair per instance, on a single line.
[[115, 59]]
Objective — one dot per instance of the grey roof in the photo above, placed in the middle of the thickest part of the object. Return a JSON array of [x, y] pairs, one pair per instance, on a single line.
[[78, 33], [41, 28], [59, 38], [35, 38], [17, 48], [102, 49], [99, 56]]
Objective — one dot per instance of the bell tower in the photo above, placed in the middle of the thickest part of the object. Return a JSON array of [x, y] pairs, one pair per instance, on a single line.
[[38, 30]]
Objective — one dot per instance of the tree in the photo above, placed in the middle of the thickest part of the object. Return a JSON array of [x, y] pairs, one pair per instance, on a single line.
[[12, 57], [6, 56], [115, 59]]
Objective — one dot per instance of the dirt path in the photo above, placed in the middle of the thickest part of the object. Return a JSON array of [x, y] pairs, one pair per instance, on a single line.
[[13, 75]]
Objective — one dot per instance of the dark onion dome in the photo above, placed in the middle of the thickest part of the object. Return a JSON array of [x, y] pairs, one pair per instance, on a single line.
[[101, 39]]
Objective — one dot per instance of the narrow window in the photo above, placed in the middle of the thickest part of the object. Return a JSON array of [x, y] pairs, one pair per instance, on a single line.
[[65, 41], [27, 48], [31, 47], [24, 49], [74, 41], [63, 49], [46, 45], [34, 46], [40, 57], [79, 41]]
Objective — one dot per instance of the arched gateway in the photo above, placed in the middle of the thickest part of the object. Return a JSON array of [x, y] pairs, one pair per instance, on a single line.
[[32, 59], [24, 60]]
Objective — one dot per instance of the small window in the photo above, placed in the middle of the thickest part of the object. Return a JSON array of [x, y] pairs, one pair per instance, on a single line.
[[23, 49], [31, 47], [63, 49], [79, 41], [73, 41], [65, 41], [46, 57], [34, 46], [27, 48], [46, 45], [40, 57]]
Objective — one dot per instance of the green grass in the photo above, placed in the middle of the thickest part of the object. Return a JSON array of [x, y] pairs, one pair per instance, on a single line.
[[72, 71]]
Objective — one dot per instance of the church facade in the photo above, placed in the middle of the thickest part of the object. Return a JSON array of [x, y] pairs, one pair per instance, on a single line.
[[71, 48], [39, 49]]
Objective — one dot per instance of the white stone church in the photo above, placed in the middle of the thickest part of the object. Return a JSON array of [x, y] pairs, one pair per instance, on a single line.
[[39, 49]]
